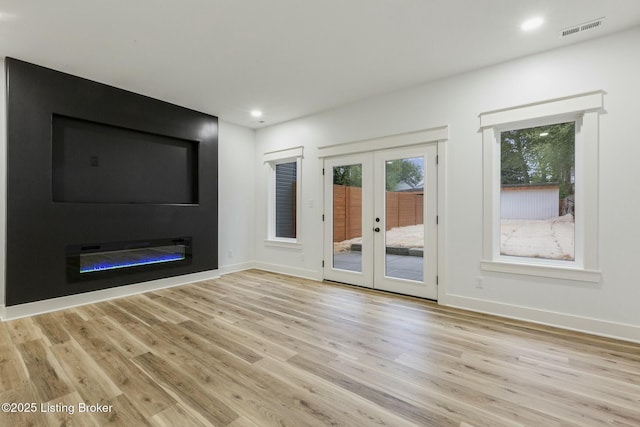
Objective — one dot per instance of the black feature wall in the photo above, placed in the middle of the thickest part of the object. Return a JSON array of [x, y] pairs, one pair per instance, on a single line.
[[49, 211]]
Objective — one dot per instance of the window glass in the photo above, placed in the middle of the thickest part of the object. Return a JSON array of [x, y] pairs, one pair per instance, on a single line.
[[347, 217], [537, 192], [285, 199]]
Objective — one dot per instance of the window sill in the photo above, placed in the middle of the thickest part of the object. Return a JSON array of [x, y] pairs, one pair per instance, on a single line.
[[289, 244], [556, 272]]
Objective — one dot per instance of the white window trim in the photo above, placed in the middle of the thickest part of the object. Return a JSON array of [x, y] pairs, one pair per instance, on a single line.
[[584, 109], [271, 159]]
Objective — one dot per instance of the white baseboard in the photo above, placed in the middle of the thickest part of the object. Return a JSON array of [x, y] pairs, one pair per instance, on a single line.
[[291, 271], [55, 304], [233, 268], [588, 325]]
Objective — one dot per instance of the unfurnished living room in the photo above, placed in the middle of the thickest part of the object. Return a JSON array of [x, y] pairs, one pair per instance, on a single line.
[[319, 213]]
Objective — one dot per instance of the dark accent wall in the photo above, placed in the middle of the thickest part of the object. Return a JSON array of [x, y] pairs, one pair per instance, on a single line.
[[39, 229]]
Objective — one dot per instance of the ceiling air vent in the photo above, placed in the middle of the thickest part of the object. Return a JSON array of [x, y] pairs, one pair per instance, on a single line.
[[582, 27]]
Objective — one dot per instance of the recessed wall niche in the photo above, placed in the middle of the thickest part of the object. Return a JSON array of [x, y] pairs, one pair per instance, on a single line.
[[117, 185]]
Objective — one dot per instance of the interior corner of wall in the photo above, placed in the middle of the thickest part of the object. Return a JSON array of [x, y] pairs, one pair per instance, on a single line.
[[3, 185]]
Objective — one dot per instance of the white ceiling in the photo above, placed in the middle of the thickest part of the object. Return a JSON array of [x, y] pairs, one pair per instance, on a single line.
[[289, 58]]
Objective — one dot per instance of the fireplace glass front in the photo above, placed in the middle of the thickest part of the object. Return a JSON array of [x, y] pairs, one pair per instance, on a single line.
[[93, 261]]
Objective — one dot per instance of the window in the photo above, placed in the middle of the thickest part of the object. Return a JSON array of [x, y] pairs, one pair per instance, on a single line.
[[284, 195], [540, 204], [537, 192], [285, 201]]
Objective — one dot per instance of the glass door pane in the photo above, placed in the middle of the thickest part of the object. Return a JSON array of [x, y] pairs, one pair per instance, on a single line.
[[404, 218], [347, 217]]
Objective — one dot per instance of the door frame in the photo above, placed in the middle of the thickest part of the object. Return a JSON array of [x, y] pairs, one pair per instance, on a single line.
[[439, 136], [365, 276], [427, 288]]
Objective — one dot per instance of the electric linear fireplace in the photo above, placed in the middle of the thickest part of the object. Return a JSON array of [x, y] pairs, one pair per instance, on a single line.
[[88, 262], [104, 187]]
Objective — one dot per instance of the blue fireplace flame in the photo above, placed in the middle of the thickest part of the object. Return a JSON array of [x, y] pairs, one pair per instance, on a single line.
[[125, 263]]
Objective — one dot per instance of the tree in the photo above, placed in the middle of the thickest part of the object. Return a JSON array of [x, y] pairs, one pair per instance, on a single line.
[[397, 171], [539, 155], [544, 154], [514, 147], [403, 170], [350, 175], [557, 157]]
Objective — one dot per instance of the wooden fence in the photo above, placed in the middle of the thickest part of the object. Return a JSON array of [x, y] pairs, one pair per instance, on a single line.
[[402, 209]]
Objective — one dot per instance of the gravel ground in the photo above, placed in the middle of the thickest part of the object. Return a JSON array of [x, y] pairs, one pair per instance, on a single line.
[[549, 239]]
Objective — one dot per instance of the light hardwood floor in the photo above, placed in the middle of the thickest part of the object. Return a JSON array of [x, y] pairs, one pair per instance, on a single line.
[[260, 349]]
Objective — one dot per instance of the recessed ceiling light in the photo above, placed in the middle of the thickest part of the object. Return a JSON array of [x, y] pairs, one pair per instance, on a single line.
[[532, 24], [256, 113]]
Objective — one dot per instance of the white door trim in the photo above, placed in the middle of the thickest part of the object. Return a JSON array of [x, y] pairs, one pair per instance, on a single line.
[[426, 136], [435, 135]]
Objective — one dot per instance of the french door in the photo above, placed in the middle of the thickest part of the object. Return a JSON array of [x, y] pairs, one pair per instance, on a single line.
[[381, 220]]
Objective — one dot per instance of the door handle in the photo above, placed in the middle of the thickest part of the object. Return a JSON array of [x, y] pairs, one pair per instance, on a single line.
[[377, 229]]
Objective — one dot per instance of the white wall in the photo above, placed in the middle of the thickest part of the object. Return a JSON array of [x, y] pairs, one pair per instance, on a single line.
[[611, 64], [236, 198], [304, 261]]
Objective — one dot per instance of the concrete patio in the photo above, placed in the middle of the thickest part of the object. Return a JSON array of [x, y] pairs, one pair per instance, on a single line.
[[400, 266]]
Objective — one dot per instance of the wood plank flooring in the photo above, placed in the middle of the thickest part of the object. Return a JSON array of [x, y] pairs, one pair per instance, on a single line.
[[256, 349]]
